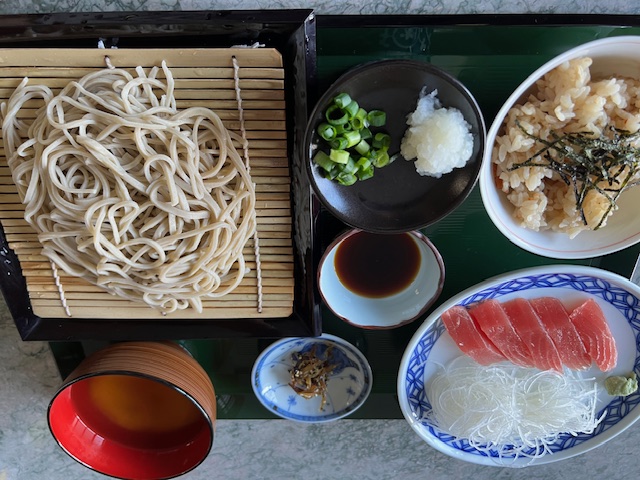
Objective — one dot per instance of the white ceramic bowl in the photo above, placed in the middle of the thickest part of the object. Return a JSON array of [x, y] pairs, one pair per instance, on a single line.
[[386, 312], [431, 347], [616, 55]]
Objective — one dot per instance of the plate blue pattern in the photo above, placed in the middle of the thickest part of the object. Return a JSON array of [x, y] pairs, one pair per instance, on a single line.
[[348, 386], [566, 282]]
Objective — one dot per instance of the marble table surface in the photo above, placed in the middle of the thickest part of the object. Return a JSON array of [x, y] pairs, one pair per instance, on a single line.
[[278, 449], [332, 7]]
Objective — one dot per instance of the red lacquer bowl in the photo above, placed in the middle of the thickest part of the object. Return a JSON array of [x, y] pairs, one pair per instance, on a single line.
[[136, 410]]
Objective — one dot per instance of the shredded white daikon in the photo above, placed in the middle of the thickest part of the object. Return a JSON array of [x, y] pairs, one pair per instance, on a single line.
[[511, 410]]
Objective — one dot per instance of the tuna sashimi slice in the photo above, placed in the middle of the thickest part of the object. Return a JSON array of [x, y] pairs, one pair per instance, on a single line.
[[555, 319], [494, 322], [594, 332], [469, 338], [527, 325]]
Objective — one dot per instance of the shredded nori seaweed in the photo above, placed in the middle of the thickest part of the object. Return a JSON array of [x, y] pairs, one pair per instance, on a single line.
[[608, 164]]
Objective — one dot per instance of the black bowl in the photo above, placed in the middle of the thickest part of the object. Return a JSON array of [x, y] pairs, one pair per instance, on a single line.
[[397, 199]]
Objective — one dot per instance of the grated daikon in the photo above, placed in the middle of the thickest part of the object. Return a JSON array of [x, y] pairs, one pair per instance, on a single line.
[[514, 411], [438, 138]]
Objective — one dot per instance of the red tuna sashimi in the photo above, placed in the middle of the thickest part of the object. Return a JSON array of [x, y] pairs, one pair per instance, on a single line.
[[555, 319], [594, 332], [469, 338], [527, 325], [494, 322]]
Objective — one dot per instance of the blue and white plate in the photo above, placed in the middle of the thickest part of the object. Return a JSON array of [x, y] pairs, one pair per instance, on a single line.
[[432, 346], [348, 385]]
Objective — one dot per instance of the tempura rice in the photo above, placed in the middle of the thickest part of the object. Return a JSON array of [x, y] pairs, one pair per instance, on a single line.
[[564, 100]]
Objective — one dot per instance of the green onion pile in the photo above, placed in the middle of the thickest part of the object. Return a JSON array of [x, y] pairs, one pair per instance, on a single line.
[[354, 151]]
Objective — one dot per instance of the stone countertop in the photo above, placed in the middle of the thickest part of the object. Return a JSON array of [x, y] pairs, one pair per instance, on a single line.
[[331, 7], [277, 449]]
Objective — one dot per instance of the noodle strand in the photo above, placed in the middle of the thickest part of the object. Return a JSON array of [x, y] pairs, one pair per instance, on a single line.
[[151, 203]]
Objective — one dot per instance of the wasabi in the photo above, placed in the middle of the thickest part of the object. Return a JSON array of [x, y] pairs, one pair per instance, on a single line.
[[620, 385]]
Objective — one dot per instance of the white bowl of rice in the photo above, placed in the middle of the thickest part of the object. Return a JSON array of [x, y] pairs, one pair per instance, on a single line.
[[558, 177]]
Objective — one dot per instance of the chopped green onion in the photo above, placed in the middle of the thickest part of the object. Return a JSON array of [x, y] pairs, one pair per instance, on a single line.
[[326, 131], [350, 166], [356, 123], [334, 172], [352, 109], [342, 100], [365, 173], [362, 147], [323, 160], [358, 120], [352, 137], [377, 118], [339, 143], [381, 140], [339, 156], [363, 163], [336, 116], [346, 179], [340, 129], [346, 131], [379, 158]]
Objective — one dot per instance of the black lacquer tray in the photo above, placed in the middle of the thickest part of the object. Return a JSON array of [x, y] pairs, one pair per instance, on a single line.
[[292, 33]]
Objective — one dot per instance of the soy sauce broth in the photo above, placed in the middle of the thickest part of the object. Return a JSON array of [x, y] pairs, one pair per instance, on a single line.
[[137, 412], [375, 265]]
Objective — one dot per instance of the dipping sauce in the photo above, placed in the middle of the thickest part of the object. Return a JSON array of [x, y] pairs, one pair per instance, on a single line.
[[136, 411], [376, 266]]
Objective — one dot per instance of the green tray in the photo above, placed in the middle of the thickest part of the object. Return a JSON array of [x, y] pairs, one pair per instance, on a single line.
[[491, 60]]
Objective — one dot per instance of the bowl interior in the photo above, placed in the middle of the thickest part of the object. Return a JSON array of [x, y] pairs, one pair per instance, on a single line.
[[397, 198], [389, 311], [619, 56], [135, 411]]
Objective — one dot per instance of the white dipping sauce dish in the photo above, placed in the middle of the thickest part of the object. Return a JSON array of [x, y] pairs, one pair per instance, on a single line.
[[388, 311]]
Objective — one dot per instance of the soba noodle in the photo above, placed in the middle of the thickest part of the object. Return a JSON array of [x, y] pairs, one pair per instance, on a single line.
[[149, 202]]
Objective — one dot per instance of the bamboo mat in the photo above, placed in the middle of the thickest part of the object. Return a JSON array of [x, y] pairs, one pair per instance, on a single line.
[[203, 77]]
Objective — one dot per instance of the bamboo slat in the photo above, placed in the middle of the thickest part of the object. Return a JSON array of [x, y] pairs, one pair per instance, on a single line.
[[203, 77], [196, 58]]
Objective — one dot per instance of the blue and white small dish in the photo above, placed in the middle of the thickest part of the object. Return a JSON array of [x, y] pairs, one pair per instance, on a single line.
[[348, 385], [432, 346]]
